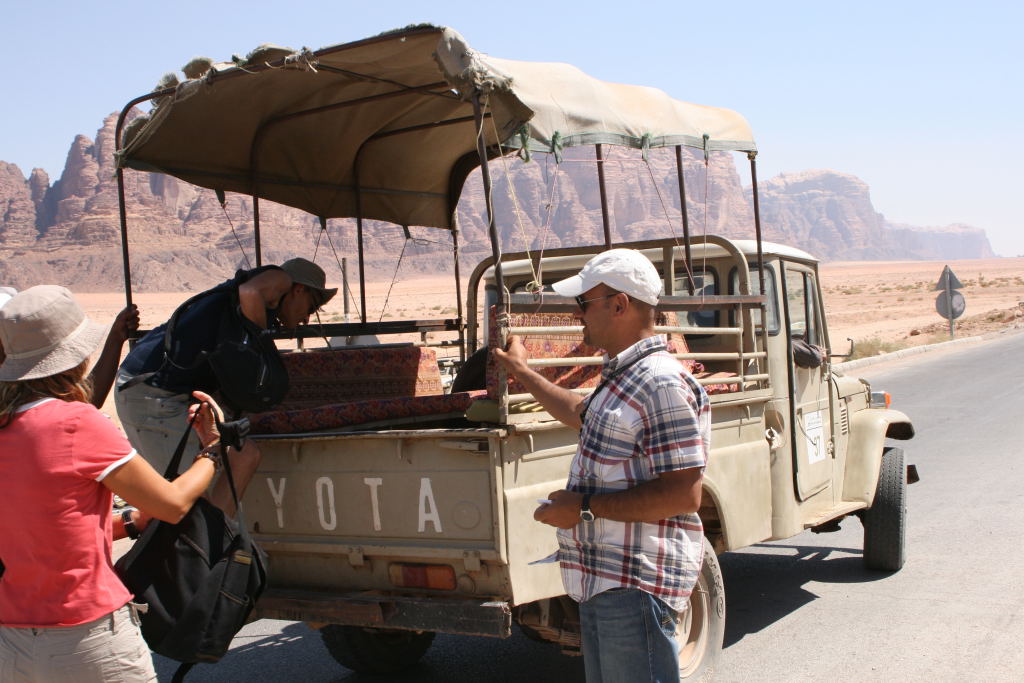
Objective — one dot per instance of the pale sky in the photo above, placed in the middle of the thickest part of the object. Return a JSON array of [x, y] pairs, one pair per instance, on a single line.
[[921, 100]]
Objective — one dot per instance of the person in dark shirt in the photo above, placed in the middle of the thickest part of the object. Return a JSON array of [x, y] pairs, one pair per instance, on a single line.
[[154, 386]]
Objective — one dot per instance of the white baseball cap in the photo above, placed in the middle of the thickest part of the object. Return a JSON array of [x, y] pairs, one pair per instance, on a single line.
[[6, 294], [624, 270]]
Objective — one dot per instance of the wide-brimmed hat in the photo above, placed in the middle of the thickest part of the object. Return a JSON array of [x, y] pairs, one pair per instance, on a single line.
[[624, 270], [45, 332], [307, 273]]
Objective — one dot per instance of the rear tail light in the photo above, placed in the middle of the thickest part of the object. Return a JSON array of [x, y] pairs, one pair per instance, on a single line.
[[436, 576]]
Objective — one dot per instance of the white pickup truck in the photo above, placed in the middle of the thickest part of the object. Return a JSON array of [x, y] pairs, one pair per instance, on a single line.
[[394, 507]]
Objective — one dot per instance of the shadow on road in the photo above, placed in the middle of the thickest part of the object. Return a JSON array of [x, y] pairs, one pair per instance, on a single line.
[[764, 584], [297, 653], [763, 587]]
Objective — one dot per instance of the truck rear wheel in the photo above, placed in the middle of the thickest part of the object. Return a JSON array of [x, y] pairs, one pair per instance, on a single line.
[[701, 630], [374, 650], [885, 522]]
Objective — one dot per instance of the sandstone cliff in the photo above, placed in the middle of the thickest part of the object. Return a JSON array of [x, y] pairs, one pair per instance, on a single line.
[[181, 238], [830, 215]]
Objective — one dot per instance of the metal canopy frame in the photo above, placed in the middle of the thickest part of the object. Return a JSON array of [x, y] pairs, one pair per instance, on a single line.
[[459, 172]]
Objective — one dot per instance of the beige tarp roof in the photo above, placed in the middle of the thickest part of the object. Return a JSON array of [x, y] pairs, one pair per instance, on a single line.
[[305, 128]]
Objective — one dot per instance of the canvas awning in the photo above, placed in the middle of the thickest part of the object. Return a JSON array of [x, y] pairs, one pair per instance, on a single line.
[[392, 115]]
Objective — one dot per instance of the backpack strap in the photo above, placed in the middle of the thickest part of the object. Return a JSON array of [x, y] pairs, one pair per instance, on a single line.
[[172, 324], [172, 467], [229, 286], [182, 671]]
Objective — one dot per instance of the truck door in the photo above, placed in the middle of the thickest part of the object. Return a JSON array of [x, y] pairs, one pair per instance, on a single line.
[[812, 449]]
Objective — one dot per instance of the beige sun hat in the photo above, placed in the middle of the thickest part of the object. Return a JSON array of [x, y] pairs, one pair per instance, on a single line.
[[307, 273], [44, 332]]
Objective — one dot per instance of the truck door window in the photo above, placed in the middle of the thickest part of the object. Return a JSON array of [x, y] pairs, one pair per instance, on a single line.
[[755, 288], [706, 283], [802, 306]]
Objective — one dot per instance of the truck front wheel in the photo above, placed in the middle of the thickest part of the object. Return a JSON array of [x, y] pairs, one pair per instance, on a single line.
[[701, 629], [373, 650], [885, 522]]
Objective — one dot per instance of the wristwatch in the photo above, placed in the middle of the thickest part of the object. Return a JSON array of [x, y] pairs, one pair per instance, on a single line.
[[129, 524], [585, 513]]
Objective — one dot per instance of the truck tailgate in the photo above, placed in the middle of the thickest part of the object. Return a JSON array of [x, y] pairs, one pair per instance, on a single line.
[[338, 511]]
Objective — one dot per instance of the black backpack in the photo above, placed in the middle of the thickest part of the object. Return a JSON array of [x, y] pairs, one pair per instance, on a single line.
[[247, 364], [199, 578]]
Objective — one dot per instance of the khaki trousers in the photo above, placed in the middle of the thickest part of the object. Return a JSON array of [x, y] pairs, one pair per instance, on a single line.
[[154, 420], [107, 650]]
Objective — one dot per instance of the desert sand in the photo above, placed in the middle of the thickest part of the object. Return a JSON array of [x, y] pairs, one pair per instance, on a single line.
[[883, 305], [883, 300], [894, 301]]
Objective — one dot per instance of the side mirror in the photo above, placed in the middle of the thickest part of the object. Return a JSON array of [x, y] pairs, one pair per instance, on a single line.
[[844, 355]]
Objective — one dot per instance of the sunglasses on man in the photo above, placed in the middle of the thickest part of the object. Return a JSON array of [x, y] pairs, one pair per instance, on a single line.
[[582, 303]]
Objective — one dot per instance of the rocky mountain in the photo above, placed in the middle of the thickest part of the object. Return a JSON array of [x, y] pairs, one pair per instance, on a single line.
[[180, 238], [830, 215]]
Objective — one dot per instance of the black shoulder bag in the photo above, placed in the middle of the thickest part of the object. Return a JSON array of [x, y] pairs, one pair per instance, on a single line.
[[247, 364], [199, 578]]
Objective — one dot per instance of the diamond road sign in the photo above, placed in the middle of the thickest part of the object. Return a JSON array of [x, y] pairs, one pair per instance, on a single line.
[[947, 281]]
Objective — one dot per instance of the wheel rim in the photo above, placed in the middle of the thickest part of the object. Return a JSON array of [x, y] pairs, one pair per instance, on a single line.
[[692, 630]]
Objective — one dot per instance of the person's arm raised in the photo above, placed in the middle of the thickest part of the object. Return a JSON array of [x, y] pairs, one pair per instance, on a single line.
[[563, 404], [143, 487], [102, 375]]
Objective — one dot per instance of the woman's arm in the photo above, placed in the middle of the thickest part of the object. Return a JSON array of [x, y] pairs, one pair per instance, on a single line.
[[144, 488], [138, 517]]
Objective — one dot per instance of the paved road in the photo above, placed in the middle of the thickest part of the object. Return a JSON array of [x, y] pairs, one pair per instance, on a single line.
[[804, 609]]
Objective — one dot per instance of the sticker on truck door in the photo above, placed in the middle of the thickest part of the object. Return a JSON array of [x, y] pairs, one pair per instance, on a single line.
[[815, 436]]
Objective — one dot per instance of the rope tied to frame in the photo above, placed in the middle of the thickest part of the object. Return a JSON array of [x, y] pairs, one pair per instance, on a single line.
[[316, 249], [535, 286], [556, 146], [394, 278], [668, 219], [223, 200], [524, 141]]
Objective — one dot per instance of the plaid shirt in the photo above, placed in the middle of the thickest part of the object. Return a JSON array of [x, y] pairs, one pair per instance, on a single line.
[[651, 418]]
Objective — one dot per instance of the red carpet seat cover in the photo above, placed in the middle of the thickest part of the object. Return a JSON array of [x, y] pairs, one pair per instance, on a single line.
[[351, 386]]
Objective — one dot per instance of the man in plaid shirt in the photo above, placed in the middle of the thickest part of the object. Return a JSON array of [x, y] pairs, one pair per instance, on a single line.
[[630, 540]]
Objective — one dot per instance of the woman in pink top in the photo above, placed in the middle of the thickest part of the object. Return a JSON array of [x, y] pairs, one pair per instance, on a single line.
[[64, 614]]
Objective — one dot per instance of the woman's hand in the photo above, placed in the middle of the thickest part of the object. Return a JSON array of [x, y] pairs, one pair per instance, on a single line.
[[206, 423]]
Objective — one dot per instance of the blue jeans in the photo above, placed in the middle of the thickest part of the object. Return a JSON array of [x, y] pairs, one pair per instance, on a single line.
[[628, 637]]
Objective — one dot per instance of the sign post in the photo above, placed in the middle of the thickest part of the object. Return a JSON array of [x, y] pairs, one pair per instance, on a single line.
[[950, 303]]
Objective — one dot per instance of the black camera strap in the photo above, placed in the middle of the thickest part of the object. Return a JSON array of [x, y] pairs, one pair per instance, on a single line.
[[232, 434]]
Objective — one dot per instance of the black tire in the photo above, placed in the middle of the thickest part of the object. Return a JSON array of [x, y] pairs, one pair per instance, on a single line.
[[375, 651], [701, 630], [885, 522]]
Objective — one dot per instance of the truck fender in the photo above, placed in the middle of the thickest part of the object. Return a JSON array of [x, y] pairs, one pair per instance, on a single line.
[[736, 498], [868, 431]]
